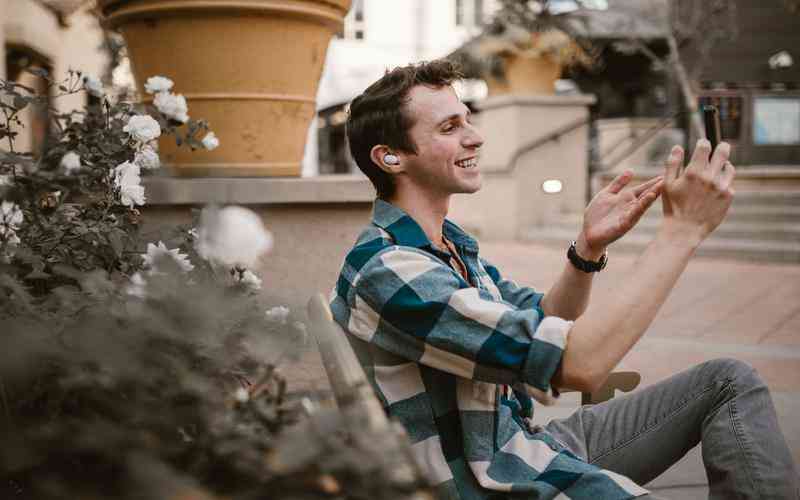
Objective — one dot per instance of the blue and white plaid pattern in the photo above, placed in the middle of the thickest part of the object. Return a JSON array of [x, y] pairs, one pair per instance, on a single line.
[[460, 364]]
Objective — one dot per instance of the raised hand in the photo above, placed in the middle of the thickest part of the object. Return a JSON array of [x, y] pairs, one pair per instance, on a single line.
[[696, 199], [616, 209]]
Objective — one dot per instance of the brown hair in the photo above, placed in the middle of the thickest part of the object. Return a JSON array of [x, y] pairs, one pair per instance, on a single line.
[[377, 115]]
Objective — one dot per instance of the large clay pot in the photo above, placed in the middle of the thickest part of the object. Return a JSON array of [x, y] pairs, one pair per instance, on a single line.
[[249, 67], [526, 75]]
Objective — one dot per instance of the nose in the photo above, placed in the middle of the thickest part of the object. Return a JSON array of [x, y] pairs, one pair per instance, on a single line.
[[473, 138]]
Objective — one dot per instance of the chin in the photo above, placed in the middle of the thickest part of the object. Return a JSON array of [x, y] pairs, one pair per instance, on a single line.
[[472, 188], [478, 184]]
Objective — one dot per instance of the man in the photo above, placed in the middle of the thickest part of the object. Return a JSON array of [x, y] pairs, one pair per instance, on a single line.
[[458, 354]]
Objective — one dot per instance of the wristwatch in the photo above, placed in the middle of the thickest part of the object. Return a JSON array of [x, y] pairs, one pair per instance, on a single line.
[[587, 266]]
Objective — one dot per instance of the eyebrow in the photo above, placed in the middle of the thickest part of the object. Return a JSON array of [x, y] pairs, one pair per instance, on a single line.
[[455, 116]]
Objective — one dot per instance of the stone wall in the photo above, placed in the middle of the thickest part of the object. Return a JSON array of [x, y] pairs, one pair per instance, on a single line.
[[314, 223]]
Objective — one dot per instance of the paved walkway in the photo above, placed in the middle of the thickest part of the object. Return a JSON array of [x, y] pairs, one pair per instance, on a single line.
[[719, 308]]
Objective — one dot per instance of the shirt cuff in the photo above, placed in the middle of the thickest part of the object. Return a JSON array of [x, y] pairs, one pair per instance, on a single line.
[[547, 348]]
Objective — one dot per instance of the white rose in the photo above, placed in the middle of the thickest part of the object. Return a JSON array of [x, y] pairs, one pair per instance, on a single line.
[[131, 195], [278, 314], [147, 159], [71, 162], [10, 217], [93, 85], [128, 180], [159, 251], [210, 141], [241, 395], [143, 128], [250, 280], [173, 106], [158, 84], [138, 286], [232, 236]]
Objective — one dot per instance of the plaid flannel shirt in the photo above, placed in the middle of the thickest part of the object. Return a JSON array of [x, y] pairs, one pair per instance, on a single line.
[[461, 364]]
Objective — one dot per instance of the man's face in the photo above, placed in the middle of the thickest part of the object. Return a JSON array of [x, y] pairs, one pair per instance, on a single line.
[[447, 144]]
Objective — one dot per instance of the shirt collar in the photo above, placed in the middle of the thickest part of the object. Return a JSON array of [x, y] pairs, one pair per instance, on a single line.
[[406, 232]]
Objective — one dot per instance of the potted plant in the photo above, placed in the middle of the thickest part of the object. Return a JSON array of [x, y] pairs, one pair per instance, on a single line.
[[248, 67], [525, 47], [142, 367]]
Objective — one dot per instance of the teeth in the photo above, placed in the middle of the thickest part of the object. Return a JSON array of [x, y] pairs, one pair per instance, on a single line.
[[472, 162]]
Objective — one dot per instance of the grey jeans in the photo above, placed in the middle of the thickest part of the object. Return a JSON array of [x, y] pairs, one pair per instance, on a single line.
[[722, 404]]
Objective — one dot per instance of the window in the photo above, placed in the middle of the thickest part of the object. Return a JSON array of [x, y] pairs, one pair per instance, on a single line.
[[36, 120], [478, 13], [776, 120], [469, 13], [358, 8], [354, 25]]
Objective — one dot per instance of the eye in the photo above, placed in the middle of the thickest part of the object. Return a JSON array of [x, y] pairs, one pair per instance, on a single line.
[[449, 127]]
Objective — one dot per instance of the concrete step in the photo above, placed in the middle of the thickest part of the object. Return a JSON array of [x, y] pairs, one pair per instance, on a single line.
[[716, 246], [748, 177], [772, 198], [730, 228], [740, 212], [763, 224]]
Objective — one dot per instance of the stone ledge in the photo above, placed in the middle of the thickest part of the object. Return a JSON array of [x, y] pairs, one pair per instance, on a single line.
[[258, 190]]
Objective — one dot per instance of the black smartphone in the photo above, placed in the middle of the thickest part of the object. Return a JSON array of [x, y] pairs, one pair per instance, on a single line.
[[711, 119]]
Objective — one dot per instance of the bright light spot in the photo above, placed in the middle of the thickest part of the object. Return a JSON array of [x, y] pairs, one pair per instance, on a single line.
[[552, 186]]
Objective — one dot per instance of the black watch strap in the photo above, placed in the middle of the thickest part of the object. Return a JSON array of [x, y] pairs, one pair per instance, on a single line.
[[587, 266]]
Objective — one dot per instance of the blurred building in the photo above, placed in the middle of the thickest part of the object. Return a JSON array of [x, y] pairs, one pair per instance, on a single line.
[[379, 35], [755, 81], [54, 35]]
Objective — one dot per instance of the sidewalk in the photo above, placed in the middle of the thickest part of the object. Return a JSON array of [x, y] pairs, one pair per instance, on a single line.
[[719, 308]]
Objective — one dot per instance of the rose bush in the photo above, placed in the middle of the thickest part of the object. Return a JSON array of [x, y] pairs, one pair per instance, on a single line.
[[135, 367]]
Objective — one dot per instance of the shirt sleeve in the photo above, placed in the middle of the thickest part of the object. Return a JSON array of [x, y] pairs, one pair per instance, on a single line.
[[521, 297], [411, 304]]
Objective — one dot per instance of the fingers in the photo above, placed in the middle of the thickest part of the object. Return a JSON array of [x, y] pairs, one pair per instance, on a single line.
[[674, 163], [699, 160], [640, 205], [728, 174], [643, 187], [649, 196], [620, 182], [719, 159]]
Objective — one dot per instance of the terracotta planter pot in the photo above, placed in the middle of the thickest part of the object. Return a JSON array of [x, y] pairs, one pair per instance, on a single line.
[[525, 75], [249, 67]]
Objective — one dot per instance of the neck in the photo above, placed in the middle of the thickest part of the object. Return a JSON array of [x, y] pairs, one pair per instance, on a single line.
[[427, 210]]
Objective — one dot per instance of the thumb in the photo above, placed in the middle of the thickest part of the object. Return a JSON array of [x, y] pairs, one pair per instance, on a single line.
[[620, 182]]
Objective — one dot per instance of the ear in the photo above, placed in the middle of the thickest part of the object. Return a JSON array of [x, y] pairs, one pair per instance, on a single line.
[[378, 155]]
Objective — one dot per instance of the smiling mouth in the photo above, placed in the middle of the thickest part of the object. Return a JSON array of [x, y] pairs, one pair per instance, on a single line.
[[468, 163]]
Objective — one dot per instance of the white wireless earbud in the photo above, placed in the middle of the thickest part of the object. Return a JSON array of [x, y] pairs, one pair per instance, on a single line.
[[391, 160]]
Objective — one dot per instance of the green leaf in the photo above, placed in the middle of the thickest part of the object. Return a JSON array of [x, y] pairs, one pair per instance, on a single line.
[[39, 72], [20, 102]]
